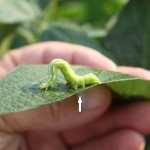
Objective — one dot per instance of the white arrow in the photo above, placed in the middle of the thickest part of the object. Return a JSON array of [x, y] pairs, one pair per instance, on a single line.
[[80, 102]]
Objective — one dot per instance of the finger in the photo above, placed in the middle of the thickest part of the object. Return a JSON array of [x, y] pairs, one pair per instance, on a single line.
[[9, 141], [44, 140], [134, 116], [61, 115], [118, 140], [45, 52], [139, 72]]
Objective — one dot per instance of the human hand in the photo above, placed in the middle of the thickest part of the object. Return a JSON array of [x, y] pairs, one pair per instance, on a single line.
[[59, 125]]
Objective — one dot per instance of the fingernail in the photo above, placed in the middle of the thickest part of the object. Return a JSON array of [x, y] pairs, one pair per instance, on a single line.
[[142, 146], [93, 97]]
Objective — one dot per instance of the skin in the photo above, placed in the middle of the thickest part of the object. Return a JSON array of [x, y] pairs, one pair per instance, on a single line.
[[60, 125], [73, 79]]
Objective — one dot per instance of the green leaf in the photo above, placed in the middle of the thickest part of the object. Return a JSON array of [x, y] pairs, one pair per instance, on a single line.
[[16, 11], [98, 12], [71, 33], [72, 10], [23, 36], [6, 35], [128, 41], [20, 90], [42, 4], [67, 32], [18, 41]]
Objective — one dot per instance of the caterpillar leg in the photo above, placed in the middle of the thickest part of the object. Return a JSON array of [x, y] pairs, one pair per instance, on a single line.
[[48, 84], [44, 85], [52, 81]]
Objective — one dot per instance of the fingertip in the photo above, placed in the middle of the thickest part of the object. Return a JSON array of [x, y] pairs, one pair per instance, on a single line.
[[97, 97], [117, 140], [135, 71], [93, 58], [132, 139]]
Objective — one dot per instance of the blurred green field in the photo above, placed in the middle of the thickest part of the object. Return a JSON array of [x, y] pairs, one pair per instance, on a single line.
[[76, 21]]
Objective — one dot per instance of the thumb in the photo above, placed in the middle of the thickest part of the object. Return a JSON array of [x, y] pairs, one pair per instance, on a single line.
[[60, 115]]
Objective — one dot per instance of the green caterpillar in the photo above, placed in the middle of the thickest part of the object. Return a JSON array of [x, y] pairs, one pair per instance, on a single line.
[[73, 79]]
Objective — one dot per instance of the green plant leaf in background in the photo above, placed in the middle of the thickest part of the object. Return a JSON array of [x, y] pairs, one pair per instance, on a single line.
[[73, 10], [42, 4], [42, 27], [17, 11], [6, 36], [20, 90], [71, 33], [98, 12], [24, 35], [18, 40], [129, 39], [67, 32]]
